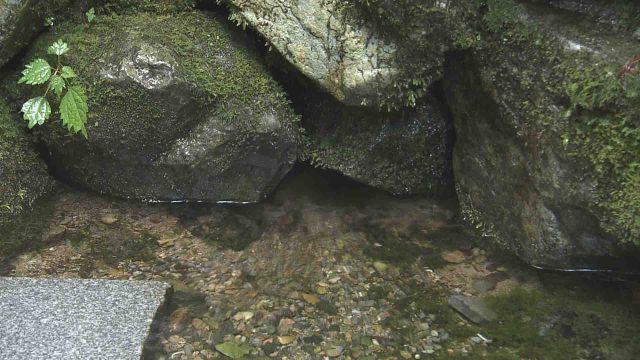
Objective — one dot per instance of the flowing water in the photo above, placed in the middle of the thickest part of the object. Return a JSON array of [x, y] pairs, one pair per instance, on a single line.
[[328, 268]]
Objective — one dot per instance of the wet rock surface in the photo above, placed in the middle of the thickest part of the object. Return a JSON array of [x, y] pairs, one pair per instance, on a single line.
[[404, 152], [328, 268], [524, 173]]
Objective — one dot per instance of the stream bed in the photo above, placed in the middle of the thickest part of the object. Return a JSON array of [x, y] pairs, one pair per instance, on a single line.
[[329, 268]]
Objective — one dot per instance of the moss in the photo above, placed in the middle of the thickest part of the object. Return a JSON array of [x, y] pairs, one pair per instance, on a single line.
[[564, 322], [604, 109]]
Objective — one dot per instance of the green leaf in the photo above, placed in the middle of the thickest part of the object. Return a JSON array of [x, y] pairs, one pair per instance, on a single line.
[[36, 111], [74, 109], [57, 84], [58, 48], [91, 15], [36, 73], [234, 350], [67, 72]]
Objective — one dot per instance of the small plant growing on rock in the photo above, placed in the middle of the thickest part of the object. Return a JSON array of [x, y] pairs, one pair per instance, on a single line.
[[60, 79]]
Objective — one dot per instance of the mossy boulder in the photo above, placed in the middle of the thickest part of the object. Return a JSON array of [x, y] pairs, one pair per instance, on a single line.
[[181, 108], [547, 154], [358, 61], [24, 178], [405, 152]]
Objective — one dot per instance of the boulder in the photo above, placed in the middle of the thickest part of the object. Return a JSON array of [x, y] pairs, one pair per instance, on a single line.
[[404, 152], [24, 177], [181, 109], [547, 154], [359, 61]]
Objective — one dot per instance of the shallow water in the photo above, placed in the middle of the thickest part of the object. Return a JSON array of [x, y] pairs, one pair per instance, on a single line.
[[327, 267]]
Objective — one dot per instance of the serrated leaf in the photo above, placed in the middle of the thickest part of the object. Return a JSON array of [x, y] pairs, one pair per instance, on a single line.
[[74, 109], [91, 15], [35, 73], [58, 48], [67, 72], [57, 84], [36, 111]]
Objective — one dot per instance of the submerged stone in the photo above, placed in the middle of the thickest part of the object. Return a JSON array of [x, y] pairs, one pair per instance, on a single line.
[[76, 319], [180, 108], [472, 308]]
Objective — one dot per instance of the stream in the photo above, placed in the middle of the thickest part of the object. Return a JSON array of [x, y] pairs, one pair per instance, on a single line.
[[329, 268]]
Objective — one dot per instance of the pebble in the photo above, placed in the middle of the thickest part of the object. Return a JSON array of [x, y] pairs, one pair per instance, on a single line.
[[311, 299], [243, 316], [285, 326], [108, 219], [335, 351], [178, 319], [453, 257], [636, 34], [380, 267], [286, 340], [198, 324]]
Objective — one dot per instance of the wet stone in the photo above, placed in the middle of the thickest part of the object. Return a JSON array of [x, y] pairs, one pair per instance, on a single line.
[[178, 319], [453, 257], [108, 219], [472, 308]]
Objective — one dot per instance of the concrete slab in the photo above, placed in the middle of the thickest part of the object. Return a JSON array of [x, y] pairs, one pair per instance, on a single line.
[[76, 319]]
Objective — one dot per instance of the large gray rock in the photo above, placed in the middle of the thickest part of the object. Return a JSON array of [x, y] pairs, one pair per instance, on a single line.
[[180, 109], [359, 61], [404, 152], [546, 156], [77, 319]]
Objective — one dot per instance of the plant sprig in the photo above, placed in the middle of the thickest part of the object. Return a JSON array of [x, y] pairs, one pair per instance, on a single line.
[[73, 104]]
